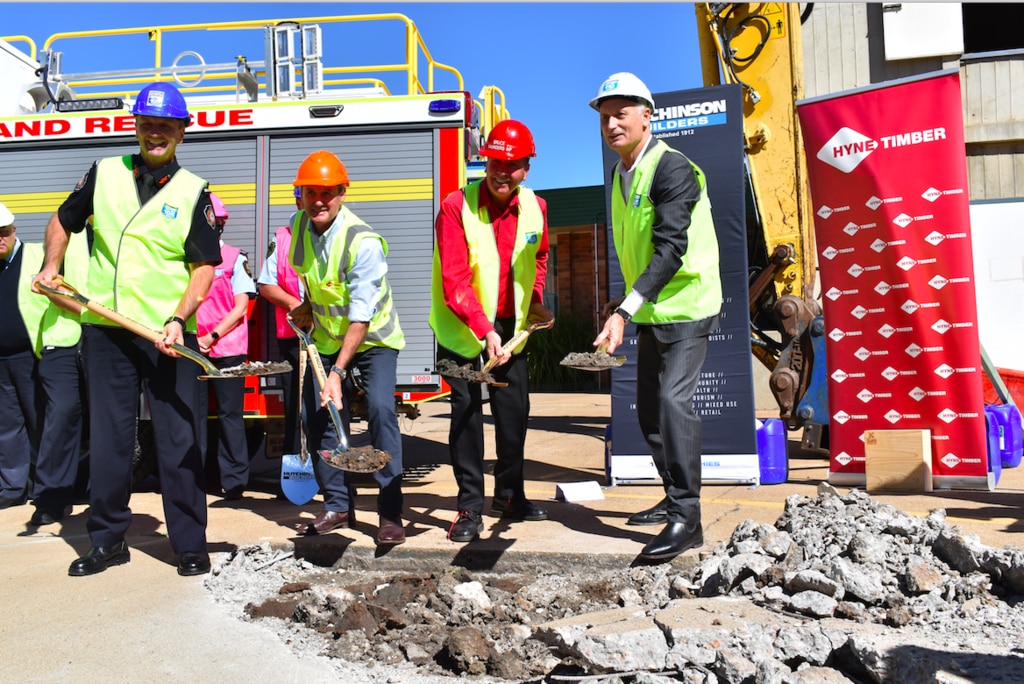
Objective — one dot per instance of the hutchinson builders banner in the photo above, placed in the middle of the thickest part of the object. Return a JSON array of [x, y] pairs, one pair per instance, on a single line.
[[888, 178]]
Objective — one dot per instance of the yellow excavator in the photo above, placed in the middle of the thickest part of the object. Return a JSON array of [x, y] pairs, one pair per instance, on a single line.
[[758, 46]]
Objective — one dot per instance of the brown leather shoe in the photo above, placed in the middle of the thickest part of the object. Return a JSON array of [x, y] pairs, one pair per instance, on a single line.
[[391, 532], [325, 521]]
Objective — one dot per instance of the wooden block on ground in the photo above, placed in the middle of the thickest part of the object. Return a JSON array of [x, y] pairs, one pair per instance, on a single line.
[[898, 460]]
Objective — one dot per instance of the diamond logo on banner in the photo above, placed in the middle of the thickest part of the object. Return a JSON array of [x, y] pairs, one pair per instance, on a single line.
[[846, 149], [890, 373], [917, 394], [906, 263], [837, 334], [938, 282], [934, 238], [834, 293], [903, 220], [882, 287], [886, 331], [856, 270], [932, 194], [950, 460], [910, 306], [873, 202], [825, 211], [944, 371], [830, 253], [843, 458], [942, 327], [862, 354], [859, 312], [839, 375], [914, 350], [893, 416], [851, 228], [879, 245], [842, 417], [865, 396], [948, 415]]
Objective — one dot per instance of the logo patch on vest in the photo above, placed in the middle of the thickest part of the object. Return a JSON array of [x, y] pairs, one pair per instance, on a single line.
[[169, 211], [636, 200], [532, 238]]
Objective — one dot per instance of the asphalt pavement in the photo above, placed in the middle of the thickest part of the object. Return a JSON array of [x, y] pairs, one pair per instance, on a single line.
[[142, 622]]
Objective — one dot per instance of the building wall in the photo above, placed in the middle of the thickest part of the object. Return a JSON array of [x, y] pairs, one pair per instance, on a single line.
[[581, 272]]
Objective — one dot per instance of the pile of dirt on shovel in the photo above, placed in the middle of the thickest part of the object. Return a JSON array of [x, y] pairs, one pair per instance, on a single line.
[[839, 589], [588, 360]]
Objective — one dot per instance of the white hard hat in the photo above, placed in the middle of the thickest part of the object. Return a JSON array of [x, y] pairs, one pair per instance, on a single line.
[[623, 84], [6, 217]]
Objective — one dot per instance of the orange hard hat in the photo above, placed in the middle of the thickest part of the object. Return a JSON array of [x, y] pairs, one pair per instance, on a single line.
[[509, 139], [322, 168]]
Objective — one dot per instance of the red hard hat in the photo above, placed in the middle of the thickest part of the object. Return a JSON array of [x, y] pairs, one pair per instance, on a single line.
[[508, 140], [322, 169]]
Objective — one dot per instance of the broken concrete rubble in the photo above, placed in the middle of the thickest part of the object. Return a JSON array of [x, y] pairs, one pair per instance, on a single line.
[[841, 588]]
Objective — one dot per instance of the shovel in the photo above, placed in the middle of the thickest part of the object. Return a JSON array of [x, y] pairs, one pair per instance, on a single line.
[[211, 372], [354, 460], [592, 361], [448, 369], [298, 481]]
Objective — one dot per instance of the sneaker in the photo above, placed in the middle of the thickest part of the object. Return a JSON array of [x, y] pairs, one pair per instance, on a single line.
[[467, 526]]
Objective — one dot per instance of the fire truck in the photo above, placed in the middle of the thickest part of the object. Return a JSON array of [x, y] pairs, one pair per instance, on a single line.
[[408, 132]]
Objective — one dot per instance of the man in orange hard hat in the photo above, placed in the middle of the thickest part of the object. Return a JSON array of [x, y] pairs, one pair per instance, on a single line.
[[349, 303], [490, 262]]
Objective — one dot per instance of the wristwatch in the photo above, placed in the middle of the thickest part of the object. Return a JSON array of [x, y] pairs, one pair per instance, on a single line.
[[176, 319], [214, 335], [340, 371], [625, 314]]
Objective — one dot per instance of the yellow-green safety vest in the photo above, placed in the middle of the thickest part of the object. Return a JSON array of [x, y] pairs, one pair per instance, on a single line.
[[484, 264], [138, 265], [695, 291], [327, 287], [48, 324]]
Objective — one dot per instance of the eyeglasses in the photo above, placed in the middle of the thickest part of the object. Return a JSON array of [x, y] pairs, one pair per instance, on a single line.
[[7, 231]]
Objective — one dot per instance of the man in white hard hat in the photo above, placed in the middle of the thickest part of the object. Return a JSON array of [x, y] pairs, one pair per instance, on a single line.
[[668, 251]]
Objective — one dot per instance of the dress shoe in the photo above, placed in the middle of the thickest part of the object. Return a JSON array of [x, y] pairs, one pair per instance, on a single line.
[[518, 509], [325, 521], [45, 517], [391, 532], [193, 563], [658, 515], [676, 538], [234, 494], [99, 558], [467, 526]]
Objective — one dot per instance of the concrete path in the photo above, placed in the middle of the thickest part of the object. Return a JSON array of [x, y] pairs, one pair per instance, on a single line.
[[142, 622]]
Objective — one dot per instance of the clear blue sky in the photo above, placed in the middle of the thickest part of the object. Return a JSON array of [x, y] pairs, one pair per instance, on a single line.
[[547, 58]]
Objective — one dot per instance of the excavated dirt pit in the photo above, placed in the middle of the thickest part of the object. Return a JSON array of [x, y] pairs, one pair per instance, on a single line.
[[840, 589]]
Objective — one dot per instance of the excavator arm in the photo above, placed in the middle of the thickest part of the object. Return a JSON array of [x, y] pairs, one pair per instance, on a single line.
[[758, 46]]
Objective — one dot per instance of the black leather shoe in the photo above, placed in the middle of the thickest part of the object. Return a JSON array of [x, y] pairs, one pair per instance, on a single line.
[[99, 558], [518, 509], [467, 526], [193, 563], [45, 517], [676, 538], [658, 515], [6, 502], [234, 494]]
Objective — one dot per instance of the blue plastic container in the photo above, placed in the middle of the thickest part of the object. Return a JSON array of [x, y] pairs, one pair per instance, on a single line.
[[995, 458], [1011, 444], [771, 451]]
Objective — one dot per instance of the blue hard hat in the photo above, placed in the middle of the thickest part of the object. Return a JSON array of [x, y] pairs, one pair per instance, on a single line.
[[163, 100]]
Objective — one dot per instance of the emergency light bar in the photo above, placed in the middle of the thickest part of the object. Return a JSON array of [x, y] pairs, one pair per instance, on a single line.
[[445, 106], [89, 104]]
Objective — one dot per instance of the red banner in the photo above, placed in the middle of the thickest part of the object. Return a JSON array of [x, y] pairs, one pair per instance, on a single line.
[[888, 175]]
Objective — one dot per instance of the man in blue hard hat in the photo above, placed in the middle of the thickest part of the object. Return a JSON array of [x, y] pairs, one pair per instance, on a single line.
[[154, 251]]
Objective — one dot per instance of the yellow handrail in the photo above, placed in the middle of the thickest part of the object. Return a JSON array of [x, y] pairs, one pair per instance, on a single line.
[[22, 39]]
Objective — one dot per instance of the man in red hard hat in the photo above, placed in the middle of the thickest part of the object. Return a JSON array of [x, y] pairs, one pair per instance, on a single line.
[[490, 262], [154, 250]]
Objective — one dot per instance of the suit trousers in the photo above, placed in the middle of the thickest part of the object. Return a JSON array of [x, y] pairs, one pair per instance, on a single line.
[[667, 376], [60, 441], [232, 446], [118, 363], [510, 408], [377, 367], [19, 422]]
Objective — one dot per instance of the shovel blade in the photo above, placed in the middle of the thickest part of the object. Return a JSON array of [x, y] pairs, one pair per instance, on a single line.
[[298, 482]]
